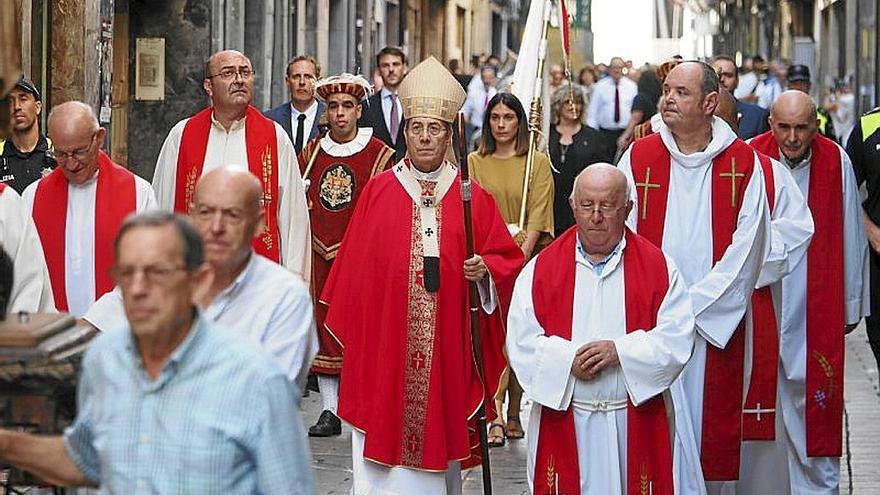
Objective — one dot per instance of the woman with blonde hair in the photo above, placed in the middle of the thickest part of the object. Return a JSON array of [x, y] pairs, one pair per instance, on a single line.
[[499, 166], [572, 146]]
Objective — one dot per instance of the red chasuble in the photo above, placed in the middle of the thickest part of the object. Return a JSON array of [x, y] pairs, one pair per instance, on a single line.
[[262, 156], [722, 393], [336, 185], [648, 448], [115, 199], [825, 297], [409, 381], [759, 411]]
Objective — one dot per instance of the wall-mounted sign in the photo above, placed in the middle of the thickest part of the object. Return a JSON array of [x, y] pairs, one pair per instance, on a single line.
[[149, 82]]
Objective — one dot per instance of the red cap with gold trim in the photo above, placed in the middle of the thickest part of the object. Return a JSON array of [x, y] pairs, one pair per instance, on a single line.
[[352, 84]]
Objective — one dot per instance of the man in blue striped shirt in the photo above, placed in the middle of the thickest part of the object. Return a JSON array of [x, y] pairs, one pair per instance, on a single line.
[[175, 404]]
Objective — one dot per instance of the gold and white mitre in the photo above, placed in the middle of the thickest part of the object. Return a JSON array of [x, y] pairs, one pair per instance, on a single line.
[[430, 90]]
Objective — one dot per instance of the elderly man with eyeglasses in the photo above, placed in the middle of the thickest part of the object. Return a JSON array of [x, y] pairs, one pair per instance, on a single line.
[[397, 298], [249, 294], [79, 207], [232, 132], [600, 326], [172, 403]]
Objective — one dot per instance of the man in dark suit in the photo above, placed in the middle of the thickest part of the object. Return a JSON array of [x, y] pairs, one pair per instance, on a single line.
[[753, 119], [301, 115], [383, 111]]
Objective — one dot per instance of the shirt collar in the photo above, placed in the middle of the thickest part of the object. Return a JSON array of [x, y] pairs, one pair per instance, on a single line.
[[178, 355], [12, 149], [356, 145], [607, 265], [310, 112], [238, 124], [801, 164], [385, 93], [240, 279], [429, 176]]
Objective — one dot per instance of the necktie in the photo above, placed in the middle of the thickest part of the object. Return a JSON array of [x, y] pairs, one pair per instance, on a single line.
[[616, 103], [395, 119], [298, 143]]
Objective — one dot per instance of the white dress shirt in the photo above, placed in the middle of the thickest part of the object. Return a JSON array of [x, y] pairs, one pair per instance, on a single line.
[[600, 114], [310, 114]]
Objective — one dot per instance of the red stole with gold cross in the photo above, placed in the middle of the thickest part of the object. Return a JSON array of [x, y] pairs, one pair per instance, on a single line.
[[825, 298], [648, 449], [262, 157], [759, 411], [723, 380], [115, 199]]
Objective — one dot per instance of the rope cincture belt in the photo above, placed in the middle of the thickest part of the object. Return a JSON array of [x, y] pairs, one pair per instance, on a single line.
[[599, 405]]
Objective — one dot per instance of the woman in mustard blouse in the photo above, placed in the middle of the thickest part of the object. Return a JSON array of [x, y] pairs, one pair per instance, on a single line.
[[499, 167]]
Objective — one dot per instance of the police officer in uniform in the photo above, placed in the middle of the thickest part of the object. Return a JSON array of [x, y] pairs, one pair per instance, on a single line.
[[863, 148], [26, 155], [798, 77]]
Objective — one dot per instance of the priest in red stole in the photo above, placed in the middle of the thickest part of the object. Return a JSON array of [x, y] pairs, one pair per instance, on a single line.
[[600, 326], [79, 207], [699, 194], [232, 132], [336, 167], [822, 299], [397, 301], [791, 228]]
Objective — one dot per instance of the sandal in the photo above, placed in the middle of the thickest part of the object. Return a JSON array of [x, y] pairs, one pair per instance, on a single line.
[[514, 430], [495, 439]]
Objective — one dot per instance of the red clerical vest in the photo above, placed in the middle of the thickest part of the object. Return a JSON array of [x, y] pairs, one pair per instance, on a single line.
[[335, 186], [722, 393], [262, 156], [115, 199], [825, 297], [759, 411], [648, 449]]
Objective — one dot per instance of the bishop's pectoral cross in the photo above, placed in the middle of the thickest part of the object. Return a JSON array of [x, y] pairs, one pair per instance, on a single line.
[[733, 176], [646, 186]]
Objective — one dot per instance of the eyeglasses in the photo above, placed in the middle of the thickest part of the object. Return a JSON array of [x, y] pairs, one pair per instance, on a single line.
[[153, 274], [78, 155], [228, 216], [229, 73], [417, 128], [590, 209]]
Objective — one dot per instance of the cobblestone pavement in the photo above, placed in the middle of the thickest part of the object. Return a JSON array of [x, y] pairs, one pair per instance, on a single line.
[[860, 467]]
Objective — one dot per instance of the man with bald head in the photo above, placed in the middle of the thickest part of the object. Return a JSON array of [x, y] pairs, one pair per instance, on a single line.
[[79, 207], [699, 195], [599, 371], [232, 132], [248, 294], [822, 299]]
